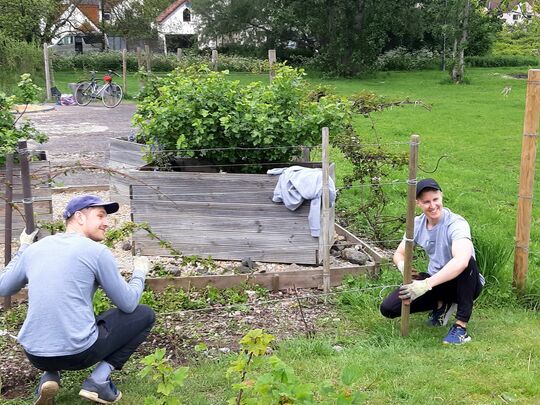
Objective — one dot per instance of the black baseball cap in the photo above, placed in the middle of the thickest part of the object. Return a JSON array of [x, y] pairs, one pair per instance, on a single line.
[[85, 201], [426, 183]]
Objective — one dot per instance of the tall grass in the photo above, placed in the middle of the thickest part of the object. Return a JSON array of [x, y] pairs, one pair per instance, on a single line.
[[17, 57]]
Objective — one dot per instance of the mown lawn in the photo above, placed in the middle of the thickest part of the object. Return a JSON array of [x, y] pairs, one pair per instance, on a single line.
[[476, 132]]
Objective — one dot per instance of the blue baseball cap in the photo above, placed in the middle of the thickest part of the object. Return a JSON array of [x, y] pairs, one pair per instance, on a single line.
[[88, 200], [426, 184]]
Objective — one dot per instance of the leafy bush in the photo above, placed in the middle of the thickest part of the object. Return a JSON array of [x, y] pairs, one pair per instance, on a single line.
[[519, 39], [403, 59], [501, 60], [16, 56], [208, 116]]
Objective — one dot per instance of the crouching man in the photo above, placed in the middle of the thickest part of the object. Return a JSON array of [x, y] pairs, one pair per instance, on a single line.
[[60, 331], [453, 280]]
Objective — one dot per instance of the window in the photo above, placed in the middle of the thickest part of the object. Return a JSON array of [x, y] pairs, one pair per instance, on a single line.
[[515, 17], [187, 15]]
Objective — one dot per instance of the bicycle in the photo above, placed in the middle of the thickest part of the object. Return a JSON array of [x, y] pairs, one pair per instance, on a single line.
[[111, 93]]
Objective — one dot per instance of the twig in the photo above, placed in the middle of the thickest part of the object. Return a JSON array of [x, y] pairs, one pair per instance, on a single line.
[[310, 333]]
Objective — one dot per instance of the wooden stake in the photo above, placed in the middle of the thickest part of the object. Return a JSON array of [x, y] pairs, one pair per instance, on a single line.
[[8, 218], [526, 179], [271, 60], [27, 187], [124, 70], [325, 228], [179, 54], [47, 71], [409, 233], [148, 55], [214, 60], [139, 58]]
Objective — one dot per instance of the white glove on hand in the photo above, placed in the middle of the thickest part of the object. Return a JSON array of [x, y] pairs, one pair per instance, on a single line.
[[28, 239], [141, 264], [414, 290]]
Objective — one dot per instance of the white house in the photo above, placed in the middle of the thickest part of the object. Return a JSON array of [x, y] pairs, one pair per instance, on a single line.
[[176, 26], [517, 12]]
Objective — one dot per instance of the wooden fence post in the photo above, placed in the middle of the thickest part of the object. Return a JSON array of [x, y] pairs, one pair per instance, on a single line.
[[27, 186], [271, 60], [325, 228], [139, 58], [179, 54], [8, 217], [526, 179], [409, 233], [214, 59], [124, 69], [148, 55], [47, 71]]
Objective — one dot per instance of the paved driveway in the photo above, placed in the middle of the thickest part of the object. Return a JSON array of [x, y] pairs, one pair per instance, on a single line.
[[82, 134]]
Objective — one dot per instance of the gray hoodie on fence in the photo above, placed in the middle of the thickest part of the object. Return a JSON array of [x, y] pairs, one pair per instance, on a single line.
[[296, 184]]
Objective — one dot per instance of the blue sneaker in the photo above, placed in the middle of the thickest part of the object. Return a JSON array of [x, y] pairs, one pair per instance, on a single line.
[[457, 335], [441, 316], [103, 393], [48, 387]]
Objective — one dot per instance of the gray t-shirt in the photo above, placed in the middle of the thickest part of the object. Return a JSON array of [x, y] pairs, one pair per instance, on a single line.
[[63, 272], [437, 242]]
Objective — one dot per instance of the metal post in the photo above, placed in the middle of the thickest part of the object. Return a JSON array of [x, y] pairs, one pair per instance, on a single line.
[[409, 233]]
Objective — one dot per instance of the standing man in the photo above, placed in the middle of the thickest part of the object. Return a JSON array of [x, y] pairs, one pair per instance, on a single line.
[[63, 272], [452, 279]]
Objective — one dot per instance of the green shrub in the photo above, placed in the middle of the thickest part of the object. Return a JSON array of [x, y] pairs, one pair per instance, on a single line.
[[403, 59], [199, 111], [501, 61]]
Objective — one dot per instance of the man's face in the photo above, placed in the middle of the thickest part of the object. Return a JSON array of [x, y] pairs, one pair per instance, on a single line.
[[431, 204], [94, 222]]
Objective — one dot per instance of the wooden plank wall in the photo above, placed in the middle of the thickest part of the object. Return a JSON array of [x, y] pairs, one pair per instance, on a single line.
[[40, 172], [124, 157]]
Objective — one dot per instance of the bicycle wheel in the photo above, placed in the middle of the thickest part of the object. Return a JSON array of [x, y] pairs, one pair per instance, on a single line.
[[112, 95], [83, 93]]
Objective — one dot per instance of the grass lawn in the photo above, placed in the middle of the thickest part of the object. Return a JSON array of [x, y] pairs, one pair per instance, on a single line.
[[476, 133]]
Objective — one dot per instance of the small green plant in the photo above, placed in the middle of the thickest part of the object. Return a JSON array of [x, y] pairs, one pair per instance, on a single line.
[[101, 302], [158, 368], [53, 227]]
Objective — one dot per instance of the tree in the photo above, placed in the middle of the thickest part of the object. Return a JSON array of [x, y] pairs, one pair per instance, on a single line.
[[134, 19]]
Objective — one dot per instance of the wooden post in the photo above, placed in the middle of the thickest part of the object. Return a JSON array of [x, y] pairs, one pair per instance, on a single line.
[[148, 55], [271, 60], [8, 217], [325, 228], [47, 71], [409, 233], [179, 54], [526, 180], [306, 154], [139, 58], [214, 60], [27, 187], [124, 70]]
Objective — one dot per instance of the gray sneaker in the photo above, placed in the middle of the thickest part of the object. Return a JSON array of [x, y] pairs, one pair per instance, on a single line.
[[103, 393], [47, 389]]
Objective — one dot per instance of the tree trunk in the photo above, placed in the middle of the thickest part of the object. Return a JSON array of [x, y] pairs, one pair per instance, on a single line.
[[460, 44]]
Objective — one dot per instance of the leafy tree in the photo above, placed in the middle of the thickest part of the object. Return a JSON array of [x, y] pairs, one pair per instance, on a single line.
[[134, 19]]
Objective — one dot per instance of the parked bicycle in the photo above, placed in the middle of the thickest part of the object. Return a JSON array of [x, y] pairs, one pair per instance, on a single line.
[[110, 93]]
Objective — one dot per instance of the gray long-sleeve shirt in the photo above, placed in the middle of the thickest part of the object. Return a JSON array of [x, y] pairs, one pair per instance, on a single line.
[[63, 272]]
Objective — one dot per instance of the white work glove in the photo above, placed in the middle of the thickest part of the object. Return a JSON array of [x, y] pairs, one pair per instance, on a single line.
[[414, 290], [141, 265], [28, 239]]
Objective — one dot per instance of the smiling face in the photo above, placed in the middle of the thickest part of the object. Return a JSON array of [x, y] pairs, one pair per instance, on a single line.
[[431, 204], [91, 222]]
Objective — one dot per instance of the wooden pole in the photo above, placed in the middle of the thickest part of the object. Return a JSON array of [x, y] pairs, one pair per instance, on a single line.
[[148, 55], [139, 58], [214, 59], [124, 70], [325, 228], [526, 179], [8, 218], [409, 233], [271, 60], [27, 187], [47, 71], [179, 54]]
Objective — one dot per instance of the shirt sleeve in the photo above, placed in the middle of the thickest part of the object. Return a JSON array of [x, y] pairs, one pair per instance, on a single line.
[[124, 295], [13, 277], [459, 229]]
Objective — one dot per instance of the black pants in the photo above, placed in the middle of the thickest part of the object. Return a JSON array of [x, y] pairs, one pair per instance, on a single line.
[[463, 290], [119, 336]]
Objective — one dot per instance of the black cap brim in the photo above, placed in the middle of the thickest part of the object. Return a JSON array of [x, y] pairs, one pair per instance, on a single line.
[[110, 207]]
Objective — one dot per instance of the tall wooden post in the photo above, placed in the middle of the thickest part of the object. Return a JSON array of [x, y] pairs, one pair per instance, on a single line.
[[47, 71], [271, 60], [148, 55], [8, 217], [27, 187], [325, 228], [179, 54], [409, 233], [526, 179], [124, 70], [139, 58], [214, 60]]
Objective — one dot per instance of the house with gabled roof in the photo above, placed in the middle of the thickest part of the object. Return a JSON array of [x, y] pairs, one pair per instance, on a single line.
[[177, 26]]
